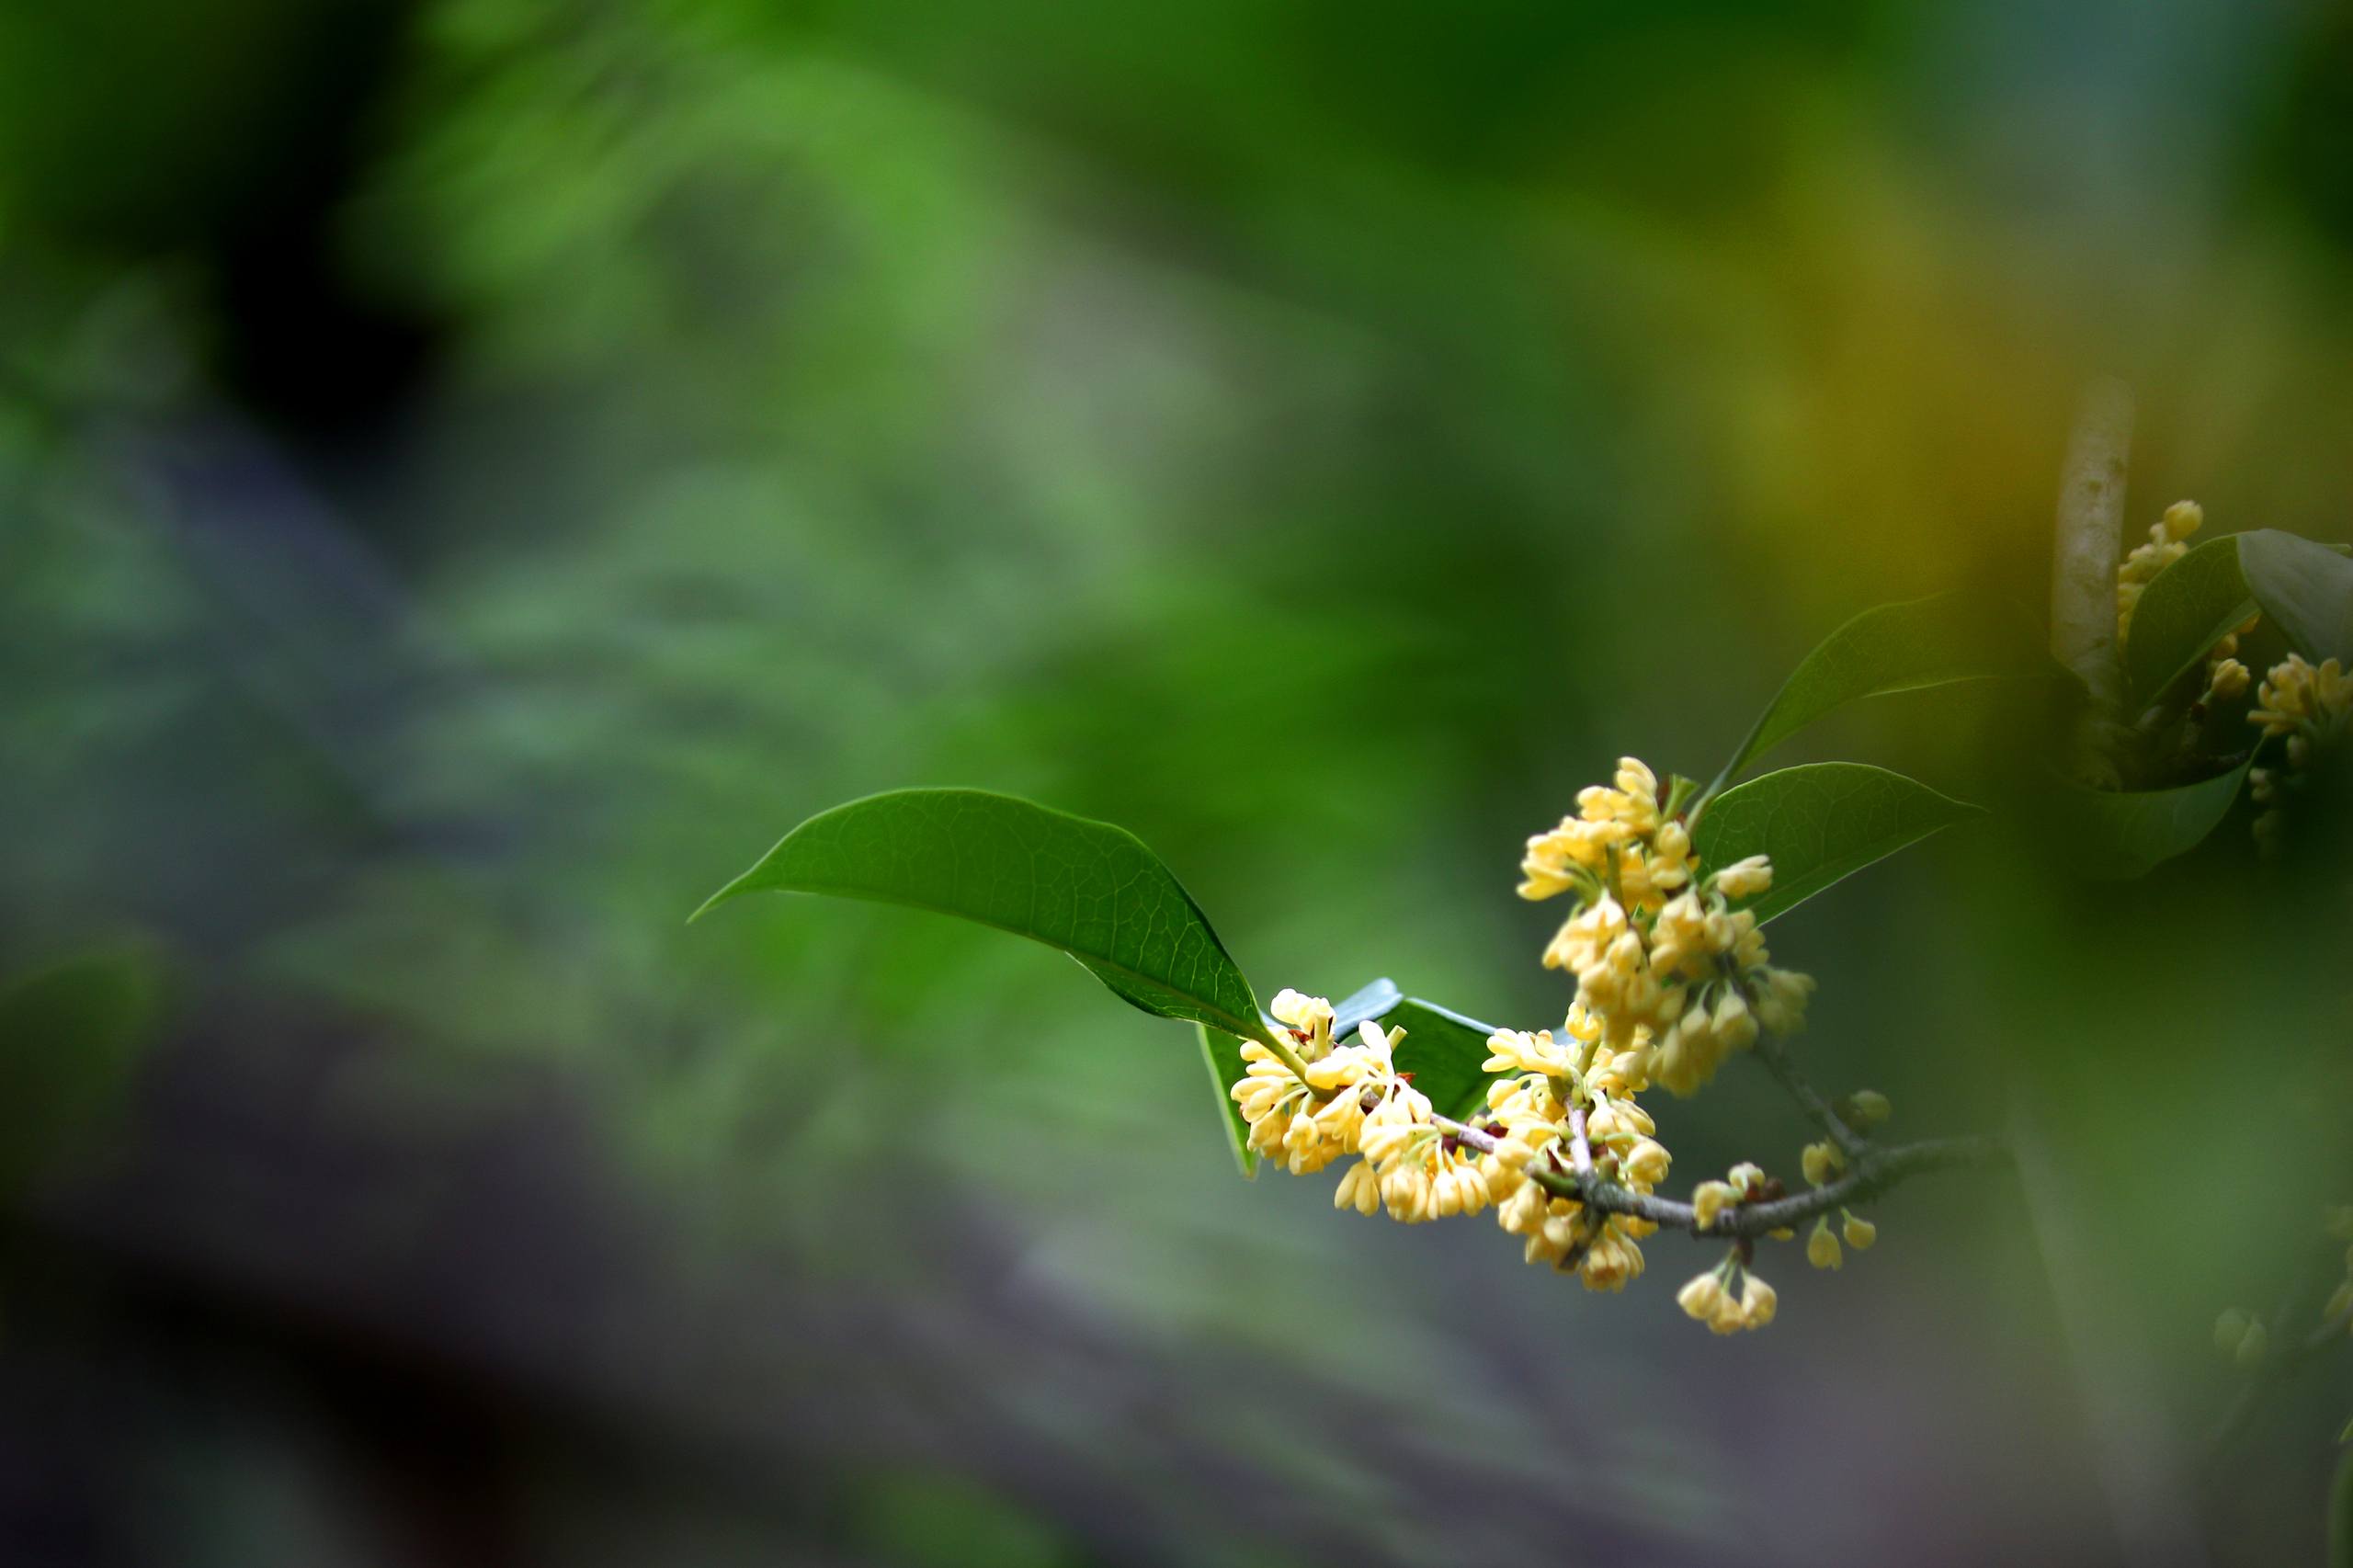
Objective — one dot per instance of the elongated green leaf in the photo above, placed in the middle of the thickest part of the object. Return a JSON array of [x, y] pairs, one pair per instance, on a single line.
[[1092, 890], [2307, 588], [1819, 822], [1222, 1054], [1908, 646], [2206, 593], [2182, 614], [2113, 835]]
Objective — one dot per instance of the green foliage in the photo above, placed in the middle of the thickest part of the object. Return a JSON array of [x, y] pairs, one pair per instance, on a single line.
[[2115, 835], [1820, 824], [1443, 1050], [2307, 588], [2182, 614], [69, 1037], [1091, 889], [1222, 1054], [1908, 646]]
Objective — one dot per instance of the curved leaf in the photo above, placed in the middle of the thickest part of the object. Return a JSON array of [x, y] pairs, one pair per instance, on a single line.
[[1908, 646], [2113, 835], [1092, 890], [2182, 614], [1221, 1053], [1820, 822], [2307, 588]]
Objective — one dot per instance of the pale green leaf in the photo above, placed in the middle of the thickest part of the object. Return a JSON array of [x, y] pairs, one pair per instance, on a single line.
[[2304, 588], [1443, 1050], [1087, 887], [1892, 648], [2114, 835], [1820, 822]]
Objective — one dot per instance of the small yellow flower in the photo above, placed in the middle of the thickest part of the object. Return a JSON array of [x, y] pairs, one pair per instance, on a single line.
[[1711, 1199], [1645, 1162], [1861, 1232], [1758, 1302], [1821, 1162], [1702, 1298], [1746, 879], [1866, 1109], [2182, 519], [1821, 1247], [2227, 680]]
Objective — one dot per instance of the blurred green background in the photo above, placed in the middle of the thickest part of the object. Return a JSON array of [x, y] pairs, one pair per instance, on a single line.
[[472, 473]]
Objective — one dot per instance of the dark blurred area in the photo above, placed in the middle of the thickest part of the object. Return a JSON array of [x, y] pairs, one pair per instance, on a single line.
[[472, 473]]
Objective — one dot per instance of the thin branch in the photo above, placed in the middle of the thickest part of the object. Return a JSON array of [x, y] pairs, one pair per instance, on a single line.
[[1875, 1171], [1776, 1058], [2085, 540]]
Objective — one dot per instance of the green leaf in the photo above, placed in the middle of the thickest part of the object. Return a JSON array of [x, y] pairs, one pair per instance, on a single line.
[[1221, 1053], [1819, 822], [1443, 1050], [1908, 646], [2115, 835], [2184, 612], [1092, 890], [2306, 589], [69, 1037]]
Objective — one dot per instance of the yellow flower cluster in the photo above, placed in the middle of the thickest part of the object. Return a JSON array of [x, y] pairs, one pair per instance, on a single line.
[[2307, 704], [1664, 967], [2165, 547], [1730, 1297], [1542, 1082], [1823, 1163], [1309, 1123]]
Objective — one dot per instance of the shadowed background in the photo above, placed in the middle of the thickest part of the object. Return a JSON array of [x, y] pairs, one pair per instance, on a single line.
[[473, 473]]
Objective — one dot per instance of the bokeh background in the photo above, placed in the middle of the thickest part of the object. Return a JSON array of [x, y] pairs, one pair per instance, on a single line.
[[473, 472]]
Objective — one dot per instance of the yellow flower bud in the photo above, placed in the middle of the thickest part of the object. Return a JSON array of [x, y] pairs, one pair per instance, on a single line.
[[1747, 1176], [2182, 519], [1702, 1298], [1711, 1198], [1821, 1247], [1746, 879], [1822, 1163], [1866, 1108], [1861, 1232], [1758, 1302], [1646, 1162]]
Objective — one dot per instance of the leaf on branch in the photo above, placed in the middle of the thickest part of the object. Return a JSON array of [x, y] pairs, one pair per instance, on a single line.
[[1221, 1053], [1091, 889], [2190, 604], [1910, 646], [2306, 589], [1820, 824], [2115, 834], [1443, 1050]]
